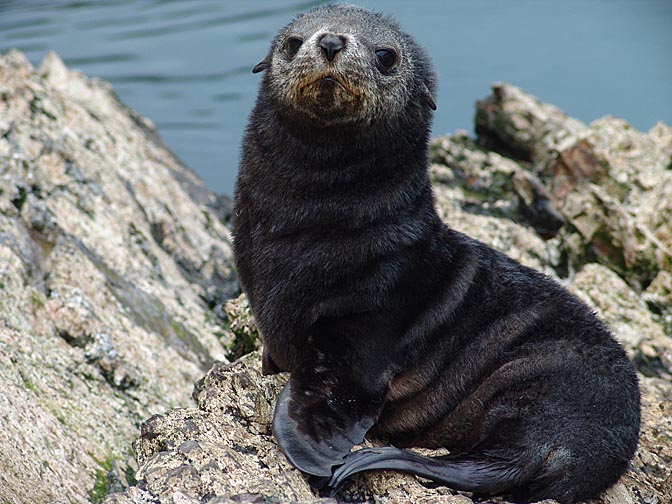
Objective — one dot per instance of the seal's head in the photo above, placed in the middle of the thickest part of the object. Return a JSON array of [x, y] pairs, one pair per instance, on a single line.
[[341, 64]]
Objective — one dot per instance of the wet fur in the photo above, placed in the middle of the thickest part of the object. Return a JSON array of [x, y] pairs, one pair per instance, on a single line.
[[392, 323]]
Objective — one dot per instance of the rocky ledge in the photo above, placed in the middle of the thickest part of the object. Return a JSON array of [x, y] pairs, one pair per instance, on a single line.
[[115, 267], [113, 260]]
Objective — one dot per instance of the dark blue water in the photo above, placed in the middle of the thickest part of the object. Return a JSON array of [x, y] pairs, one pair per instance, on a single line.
[[186, 63]]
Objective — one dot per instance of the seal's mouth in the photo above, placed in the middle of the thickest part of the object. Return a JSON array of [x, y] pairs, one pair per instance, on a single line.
[[328, 97], [328, 81]]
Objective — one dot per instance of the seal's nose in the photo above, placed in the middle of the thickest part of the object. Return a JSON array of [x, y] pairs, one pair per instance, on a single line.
[[331, 44]]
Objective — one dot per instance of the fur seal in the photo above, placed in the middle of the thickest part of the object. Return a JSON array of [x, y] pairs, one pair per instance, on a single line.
[[391, 324]]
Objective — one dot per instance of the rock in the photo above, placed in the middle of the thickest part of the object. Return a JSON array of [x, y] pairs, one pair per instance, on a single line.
[[242, 326], [650, 479], [484, 182], [223, 451], [610, 182], [634, 325], [473, 191], [519, 124], [658, 295], [476, 192], [108, 248], [224, 447], [115, 267]]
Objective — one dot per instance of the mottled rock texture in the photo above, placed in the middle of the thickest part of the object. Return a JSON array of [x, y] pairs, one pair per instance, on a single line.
[[508, 198], [111, 257], [115, 265], [610, 182]]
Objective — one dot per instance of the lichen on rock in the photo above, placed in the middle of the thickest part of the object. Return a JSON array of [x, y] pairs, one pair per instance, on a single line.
[[102, 321], [245, 335], [610, 182]]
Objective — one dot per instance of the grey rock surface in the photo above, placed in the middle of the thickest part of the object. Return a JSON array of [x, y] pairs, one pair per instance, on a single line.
[[224, 447], [115, 267], [512, 204], [610, 182], [111, 254]]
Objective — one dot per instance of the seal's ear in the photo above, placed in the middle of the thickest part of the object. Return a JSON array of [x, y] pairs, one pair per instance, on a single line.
[[261, 66], [427, 95]]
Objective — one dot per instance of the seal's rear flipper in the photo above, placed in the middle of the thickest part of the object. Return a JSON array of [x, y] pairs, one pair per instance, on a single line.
[[316, 426], [472, 473]]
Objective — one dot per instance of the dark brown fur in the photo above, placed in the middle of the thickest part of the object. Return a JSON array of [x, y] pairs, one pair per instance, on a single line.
[[391, 323]]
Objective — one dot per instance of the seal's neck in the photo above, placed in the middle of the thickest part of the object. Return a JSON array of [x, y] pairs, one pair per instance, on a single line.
[[345, 154], [297, 175]]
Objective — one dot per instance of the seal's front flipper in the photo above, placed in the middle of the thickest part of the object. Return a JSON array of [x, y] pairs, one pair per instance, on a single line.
[[317, 422], [472, 473]]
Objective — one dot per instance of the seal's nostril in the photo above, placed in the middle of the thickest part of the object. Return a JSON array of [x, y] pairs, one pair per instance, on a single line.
[[331, 44]]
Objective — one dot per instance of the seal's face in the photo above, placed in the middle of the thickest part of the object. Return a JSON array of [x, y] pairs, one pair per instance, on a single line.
[[341, 65]]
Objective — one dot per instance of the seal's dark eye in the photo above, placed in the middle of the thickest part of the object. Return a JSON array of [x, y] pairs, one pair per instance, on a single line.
[[292, 46], [386, 57]]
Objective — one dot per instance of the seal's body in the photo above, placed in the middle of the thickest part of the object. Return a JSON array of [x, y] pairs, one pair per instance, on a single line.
[[391, 323]]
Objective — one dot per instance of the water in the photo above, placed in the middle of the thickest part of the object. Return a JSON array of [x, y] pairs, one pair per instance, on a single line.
[[186, 63]]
